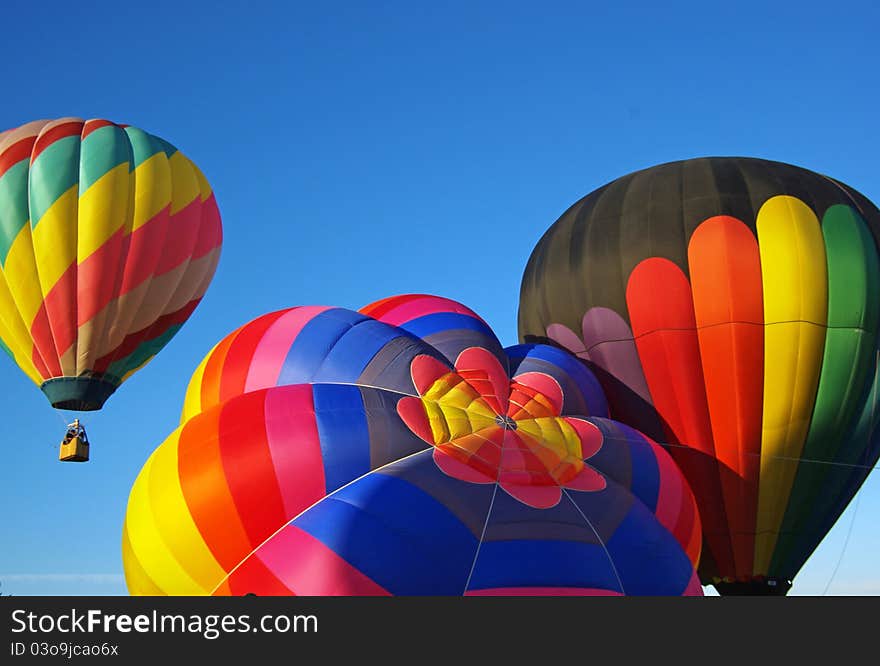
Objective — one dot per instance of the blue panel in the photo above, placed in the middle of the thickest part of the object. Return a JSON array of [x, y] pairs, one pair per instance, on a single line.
[[445, 321], [314, 343], [342, 429], [648, 558], [645, 472], [543, 564], [354, 350], [565, 368], [395, 534]]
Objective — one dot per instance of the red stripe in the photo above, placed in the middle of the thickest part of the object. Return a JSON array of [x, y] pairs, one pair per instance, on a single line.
[[210, 230], [309, 568], [145, 246], [72, 128], [17, 152], [667, 342], [247, 463], [134, 340], [60, 315], [92, 125], [183, 229], [253, 572], [44, 355], [238, 360], [97, 276], [379, 308], [295, 446]]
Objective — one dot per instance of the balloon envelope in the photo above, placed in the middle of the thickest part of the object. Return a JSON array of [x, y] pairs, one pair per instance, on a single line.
[[729, 306], [109, 237], [402, 450]]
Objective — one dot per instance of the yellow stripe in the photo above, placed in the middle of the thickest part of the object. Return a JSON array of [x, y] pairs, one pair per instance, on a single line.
[[192, 402], [184, 183], [152, 181], [795, 283], [175, 522], [137, 580], [146, 540], [14, 333], [204, 185], [103, 210], [22, 277], [54, 239]]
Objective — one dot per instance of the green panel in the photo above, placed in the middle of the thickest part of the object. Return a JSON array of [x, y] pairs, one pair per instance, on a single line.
[[7, 350], [853, 292], [13, 206], [143, 145], [102, 150], [54, 172]]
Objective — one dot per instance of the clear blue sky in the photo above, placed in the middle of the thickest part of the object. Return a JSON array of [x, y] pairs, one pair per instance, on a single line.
[[364, 149]]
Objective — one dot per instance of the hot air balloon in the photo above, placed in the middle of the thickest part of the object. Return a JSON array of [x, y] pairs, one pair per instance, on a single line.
[[729, 307], [109, 237], [400, 450]]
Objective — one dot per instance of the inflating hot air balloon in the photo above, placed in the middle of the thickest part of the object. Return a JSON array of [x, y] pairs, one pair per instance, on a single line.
[[729, 306], [109, 237], [400, 450]]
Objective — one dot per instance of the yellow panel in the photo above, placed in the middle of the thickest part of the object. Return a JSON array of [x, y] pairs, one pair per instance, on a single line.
[[54, 239], [103, 210], [22, 277], [185, 184], [137, 580], [15, 334], [204, 185], [175, 522], [146, 540], [192, 403], [795, 284], [152, 180]]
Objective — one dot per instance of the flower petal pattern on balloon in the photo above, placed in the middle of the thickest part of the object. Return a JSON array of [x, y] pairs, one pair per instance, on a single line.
[[486, 428]]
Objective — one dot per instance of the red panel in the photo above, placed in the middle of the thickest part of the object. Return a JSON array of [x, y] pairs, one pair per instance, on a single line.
[[59, 304], [46, 139], [238, 358], [247, 462], [725, 267], [661, 310], [96, 286], [253, 572], [18, 151]]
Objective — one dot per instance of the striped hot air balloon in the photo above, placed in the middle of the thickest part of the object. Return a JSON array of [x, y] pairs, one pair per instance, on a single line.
[[109, 237], [730, 308], [400, 450]]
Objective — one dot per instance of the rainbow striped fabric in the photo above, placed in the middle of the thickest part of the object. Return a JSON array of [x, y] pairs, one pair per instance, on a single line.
[[109, 237], [401, 450]]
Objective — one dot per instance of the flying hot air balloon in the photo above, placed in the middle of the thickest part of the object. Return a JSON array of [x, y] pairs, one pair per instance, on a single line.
[[109, 237], [400, 450], [729, 306]]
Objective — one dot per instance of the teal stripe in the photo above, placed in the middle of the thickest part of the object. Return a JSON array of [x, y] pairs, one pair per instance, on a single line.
[[102, 150], [144, 352], [54, 172], [143, 145], [7, 350], [13, 206]]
